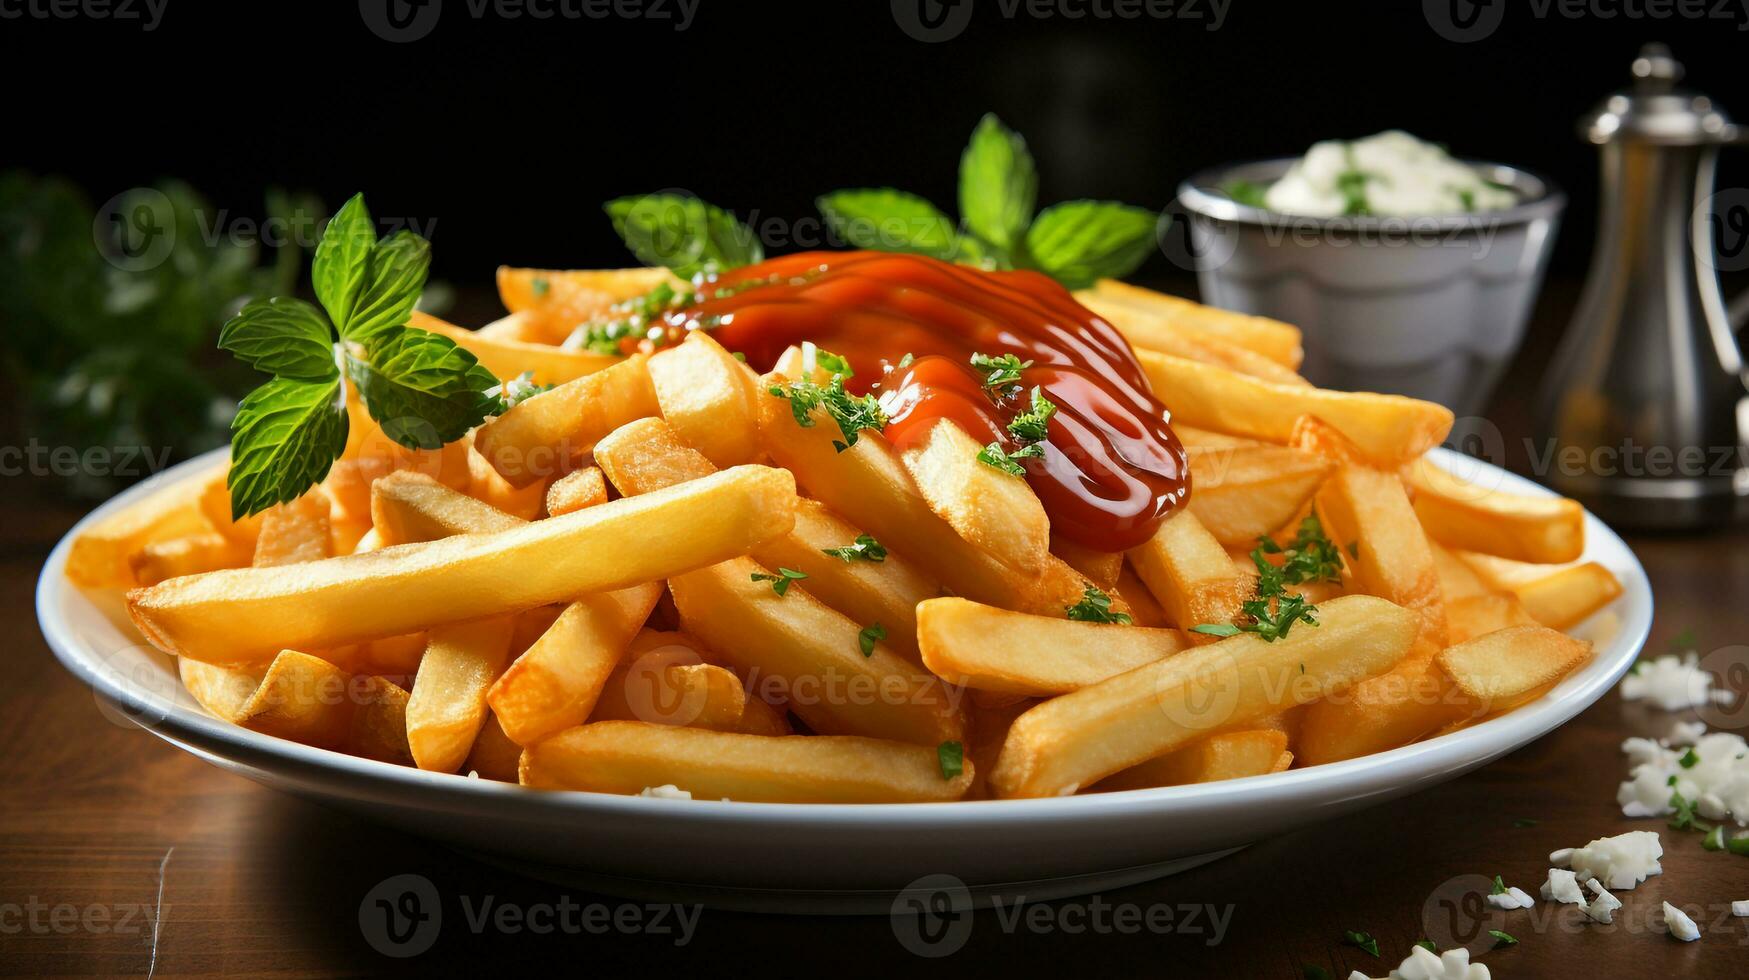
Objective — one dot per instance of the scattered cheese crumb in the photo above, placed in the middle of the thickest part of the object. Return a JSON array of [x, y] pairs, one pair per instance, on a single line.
[[473, 774], [1562, 857], [1740, 909], [1686, 733], [1622, 861], [667, 791], [1512, 898], [1602, 908], [1713, 772], [1423, 964], [1563, 886], [1672, 683], [1680, 925]]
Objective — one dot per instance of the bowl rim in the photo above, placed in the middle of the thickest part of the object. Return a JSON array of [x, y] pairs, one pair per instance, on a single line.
[[1540, 198], [194, 730]]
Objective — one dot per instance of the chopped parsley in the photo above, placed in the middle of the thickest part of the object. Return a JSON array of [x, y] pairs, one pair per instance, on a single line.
[[1316, 973], [1715, 839], [1689, 759], [1033, 425], [1000, 372], [1502, 939], [951, 756], [1499, 886], [1522, 822], [1360, 940], [780, 582], [852, 414], [540, 285], [1095, 607], [864, 548], [1274, 611], [870, 635], [1009, 462], [1429, 945], [1310, 557], [1684, 818]]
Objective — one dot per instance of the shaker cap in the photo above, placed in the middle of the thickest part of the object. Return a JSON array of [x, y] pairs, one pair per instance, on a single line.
[[1654, 110]]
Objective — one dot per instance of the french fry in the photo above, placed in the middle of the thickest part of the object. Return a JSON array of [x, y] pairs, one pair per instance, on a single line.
[[448, 704], [691, 695], [294, 532], [1144, 315], [973, 645], [994, 510], [485, 484], [1464, 515], [220, 690], [628, 756], [187, 555], [1102, 568], [242, 616], [648, 455], [1242, 494], [1167, 338], [509, 358], [555, 301], [1194, 438], [409, 506], [215, 504], [708, 397], [1457, 580], [1411, 700], [1557, 596], [511, 326], [759, 718], [1190, 575], [1224, 755], [494, 755], [816, 654], [547, 434], [1475, 615], [869, 486], [394, 656], [987, 726], [1389, 429], [99, 554], [576, 490], [1076, 739], [1144, 609], [555, 683], [1504, 669]]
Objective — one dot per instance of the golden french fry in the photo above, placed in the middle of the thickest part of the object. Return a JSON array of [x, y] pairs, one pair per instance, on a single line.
[[187, 555], [1150, 319], [240, 616], [1194, 438], [1102, 568], [1457, 580], [973, 645], [759, 718], [1145, 330], [1557, 596], [994, 510], [1389, 429], [1411, 700], [509, 358], [99, 554], [816, 654], [379, 721], [220, 690], [647, 455], [494, 755], [1366, 512], [348, 485], [215, 504], [630, 756], [1243, 493], [448, 704], [294, 532], [409, 506], [1475, 615], [485, 484], [511, 326], [555, 301], [1076, 739], [1191, 575], [1224, 755], [555, 683], [576, 490], [300, 698], [869, 486], [1508, 667], [394, 656], [1144, 609], [708, 397], [546, 435], [693, 695], [1465, 515]]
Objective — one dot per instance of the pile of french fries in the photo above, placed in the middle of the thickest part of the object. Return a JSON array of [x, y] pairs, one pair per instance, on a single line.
[[651, 575]]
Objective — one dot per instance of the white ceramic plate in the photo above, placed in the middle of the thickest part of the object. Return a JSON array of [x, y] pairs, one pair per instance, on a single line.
[[821, 858]]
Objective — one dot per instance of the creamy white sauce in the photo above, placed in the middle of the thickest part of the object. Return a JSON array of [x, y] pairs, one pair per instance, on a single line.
[[1392, 173]]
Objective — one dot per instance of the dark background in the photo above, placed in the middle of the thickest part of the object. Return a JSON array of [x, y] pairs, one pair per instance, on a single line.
[[509, 133]]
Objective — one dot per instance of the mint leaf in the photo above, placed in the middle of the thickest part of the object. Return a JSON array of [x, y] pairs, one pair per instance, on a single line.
[[890, 220], [683, 233], [342, 258], [998, 185], [282, 336], [285, 436], [421, 388], [1080, 242], [394, 278]]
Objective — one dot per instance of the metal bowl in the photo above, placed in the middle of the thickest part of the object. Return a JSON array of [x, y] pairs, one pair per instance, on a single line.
[[1429, 306]]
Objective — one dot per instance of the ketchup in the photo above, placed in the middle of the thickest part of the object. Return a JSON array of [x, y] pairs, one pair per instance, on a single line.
[[1112, 468]]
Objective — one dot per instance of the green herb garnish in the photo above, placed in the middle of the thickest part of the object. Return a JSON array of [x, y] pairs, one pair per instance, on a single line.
[[869, 636], [1715, 839], [1001, 371], [1274, 611], [1429, 945], [1246, 192], [951, 756], [780, 582], [1310, 557], [1499, 886], [864, 548], [1502, 939], [1523, 822], [1689, 759], [420, 387], [1684, 818], [1033, 425], [683, 233], [1095, 607], [1361, 940], [852, 414], [1009, 462]]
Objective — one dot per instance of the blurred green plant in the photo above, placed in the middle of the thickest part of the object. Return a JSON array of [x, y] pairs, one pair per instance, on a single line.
[[110, 315]]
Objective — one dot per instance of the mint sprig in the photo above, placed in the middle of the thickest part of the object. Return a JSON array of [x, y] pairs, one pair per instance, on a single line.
[[420, 387], [683, 233], [1074, 243]]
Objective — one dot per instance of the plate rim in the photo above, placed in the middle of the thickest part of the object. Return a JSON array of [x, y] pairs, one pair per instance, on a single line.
[[1427, 761]]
